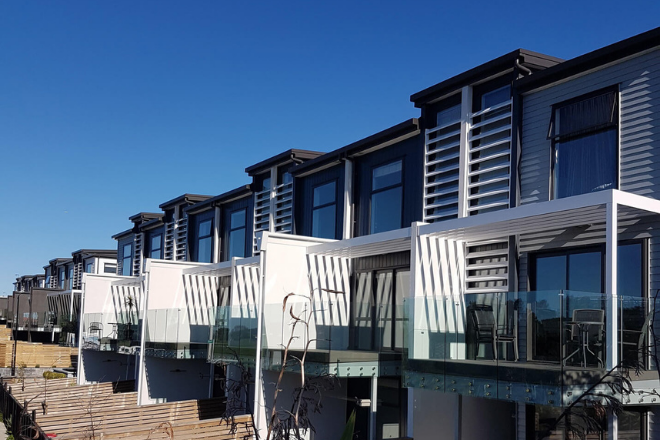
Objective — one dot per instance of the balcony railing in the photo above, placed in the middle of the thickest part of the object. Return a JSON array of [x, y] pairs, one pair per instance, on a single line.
[[111, 332], [334, 338], [537, 347], [178, 333]]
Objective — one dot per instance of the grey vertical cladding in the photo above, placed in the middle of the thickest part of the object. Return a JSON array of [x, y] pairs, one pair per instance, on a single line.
[[639, 130]]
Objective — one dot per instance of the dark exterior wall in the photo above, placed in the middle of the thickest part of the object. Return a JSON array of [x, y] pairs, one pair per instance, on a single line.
[[304, 193], [411, 151], [193, 230], [394, 260], [246, 203]]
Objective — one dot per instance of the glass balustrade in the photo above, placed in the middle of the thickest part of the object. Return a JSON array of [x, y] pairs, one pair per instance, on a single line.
[[111, 332], [544, 347], [178, 333], [339, 338]]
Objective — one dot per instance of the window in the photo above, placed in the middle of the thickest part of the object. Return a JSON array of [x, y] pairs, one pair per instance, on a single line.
[[89, 268], [62, 279], [324, 208], [386, 197], [127, 260], [237, 228], [377, 309], [109, 268], [497, 96], [584, 136], [156, 249], [205, 241]]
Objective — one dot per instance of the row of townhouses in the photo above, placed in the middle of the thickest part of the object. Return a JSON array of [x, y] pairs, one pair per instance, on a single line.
[[466, 274]]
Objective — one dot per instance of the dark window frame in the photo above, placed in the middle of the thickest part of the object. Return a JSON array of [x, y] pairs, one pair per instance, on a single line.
[[160, 249], [325, 205], [601, 247], [387, 188], [557, 140], [204, 237], [124, 258], [353, 343], [230, 230]]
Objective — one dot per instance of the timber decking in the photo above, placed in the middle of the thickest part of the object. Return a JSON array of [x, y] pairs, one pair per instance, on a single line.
[[32, 354], [70, 410]]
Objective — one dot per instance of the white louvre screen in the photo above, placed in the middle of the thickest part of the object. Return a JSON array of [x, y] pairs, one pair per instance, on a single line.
[[489, 159], [169, 241], [441, 167]]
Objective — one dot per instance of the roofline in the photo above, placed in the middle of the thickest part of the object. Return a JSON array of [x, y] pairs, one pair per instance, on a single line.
[[280, 158], [485, 70], [150, 224], [184, 198], [402, 129], [226, 197], [122, 234], [148, 215], [60, 260], [94, 252], [621, 49]]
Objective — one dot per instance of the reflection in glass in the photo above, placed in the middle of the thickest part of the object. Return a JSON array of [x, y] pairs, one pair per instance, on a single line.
[[323, 222], [386, 210]]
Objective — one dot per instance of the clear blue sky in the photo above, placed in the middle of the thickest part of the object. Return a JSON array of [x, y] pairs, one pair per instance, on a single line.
[[108, 108]]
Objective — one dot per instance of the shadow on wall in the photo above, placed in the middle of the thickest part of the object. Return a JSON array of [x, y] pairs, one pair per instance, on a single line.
[[172, 380], [102, 366]]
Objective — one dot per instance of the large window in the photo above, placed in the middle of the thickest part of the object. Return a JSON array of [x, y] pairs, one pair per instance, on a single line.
[[386, 197], [156, 247], [324, 208], [377, 309], [89, 268], [584, 135], [205, 241], [62, 279], [237, 231], [127, 260]]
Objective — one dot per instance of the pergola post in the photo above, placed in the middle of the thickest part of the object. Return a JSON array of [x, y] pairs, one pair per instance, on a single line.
[[611, 239], [611, 314]]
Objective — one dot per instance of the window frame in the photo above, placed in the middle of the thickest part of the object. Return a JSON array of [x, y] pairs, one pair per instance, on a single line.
[[230, 230], [160, 249], [353, 339], [124, 258], [204, 237], [379, 190], [325, 205], [616, 126], [89, 265], [601, 247]]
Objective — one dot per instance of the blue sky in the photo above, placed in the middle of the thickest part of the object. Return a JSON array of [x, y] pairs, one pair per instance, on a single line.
[[111, 108]]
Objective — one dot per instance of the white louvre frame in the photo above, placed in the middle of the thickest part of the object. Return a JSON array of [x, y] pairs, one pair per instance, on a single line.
[[181, 230], [261, 214], [169, 241], [137, 254], [442, 147], [283, 208], [489, 159]]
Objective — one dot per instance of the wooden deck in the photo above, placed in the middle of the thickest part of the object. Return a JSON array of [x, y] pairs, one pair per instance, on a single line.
[[110, 411]]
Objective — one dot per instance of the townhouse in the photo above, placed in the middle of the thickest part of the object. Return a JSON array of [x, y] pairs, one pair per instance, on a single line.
[[470, 272]]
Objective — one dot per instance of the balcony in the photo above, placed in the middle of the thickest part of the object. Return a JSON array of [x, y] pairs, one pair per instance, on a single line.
[[109, 332], [535, 347], [325, 337], [178, 333]]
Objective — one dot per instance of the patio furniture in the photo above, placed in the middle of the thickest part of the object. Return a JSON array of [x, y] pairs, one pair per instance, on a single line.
[[488, 332], [585, 333]]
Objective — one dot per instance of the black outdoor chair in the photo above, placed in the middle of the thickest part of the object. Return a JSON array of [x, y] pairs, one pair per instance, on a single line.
[[487, 330]]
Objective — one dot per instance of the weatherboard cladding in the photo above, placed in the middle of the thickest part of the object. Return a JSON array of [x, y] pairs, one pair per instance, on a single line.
[[639, 133], [639, 80]]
